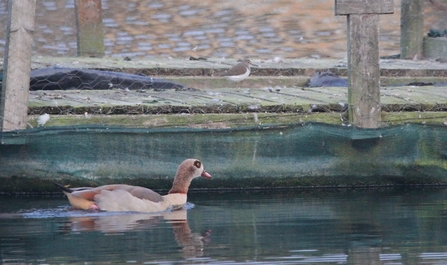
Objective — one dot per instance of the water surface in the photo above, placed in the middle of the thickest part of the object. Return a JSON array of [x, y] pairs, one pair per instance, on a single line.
[[386, 226]]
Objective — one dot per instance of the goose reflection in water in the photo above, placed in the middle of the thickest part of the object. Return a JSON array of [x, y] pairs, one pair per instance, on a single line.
[[192, 244]]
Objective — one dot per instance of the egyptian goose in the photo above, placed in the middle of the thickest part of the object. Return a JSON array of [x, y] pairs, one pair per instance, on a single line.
[[121, 197]]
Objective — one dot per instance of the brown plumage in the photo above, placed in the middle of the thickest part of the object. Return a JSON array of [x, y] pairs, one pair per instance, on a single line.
[[239, 72]]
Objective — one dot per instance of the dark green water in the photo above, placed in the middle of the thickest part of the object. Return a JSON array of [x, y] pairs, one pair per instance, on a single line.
[[386, 226]]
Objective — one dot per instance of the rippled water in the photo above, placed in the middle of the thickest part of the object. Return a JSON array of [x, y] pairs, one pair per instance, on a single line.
[[386, 226]]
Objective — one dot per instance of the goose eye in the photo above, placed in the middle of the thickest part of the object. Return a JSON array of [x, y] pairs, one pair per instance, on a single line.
[[197, 164]]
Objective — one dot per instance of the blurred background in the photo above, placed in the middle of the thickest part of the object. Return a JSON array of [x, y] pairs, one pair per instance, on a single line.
[[205, 28]]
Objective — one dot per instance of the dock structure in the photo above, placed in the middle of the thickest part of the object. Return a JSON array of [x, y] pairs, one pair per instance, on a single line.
[[272, 87], [17, 65], [327, 135], [363, 58], [409, 91]]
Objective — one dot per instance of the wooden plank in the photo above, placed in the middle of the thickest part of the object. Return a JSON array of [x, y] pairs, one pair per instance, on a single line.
[[226, 100], [411, 29], [427, 95], [346, 7], [17, 65], [363, 70], [424, 95], [90, 28]]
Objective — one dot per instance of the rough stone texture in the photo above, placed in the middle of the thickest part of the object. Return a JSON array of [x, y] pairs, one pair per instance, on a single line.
[[258, 29]]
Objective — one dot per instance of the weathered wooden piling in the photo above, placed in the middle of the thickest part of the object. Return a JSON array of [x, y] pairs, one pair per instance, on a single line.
[[17, 65], [363, 58], [90, 33], [411, 29]]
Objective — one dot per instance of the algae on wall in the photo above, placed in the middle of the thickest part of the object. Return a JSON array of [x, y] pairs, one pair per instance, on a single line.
[[296, 155]]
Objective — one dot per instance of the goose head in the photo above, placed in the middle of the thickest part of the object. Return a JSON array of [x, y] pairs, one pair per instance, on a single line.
[[186, 172]]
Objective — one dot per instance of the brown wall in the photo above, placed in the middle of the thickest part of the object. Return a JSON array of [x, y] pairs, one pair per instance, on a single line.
[[232, 28]]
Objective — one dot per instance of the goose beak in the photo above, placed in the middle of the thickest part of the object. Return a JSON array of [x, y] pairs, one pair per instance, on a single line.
[[206, 175]]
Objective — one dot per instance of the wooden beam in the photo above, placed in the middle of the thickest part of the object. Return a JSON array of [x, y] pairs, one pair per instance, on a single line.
[[363, 58], [347, 7], [364, 70], [17, 65], [411, 29], [90, 33]]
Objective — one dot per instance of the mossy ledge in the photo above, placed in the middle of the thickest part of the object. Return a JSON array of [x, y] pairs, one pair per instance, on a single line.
[[27, 185]]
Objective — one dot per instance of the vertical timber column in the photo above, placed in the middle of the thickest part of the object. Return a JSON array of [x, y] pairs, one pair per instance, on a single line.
[[363, 58], [411, 29], [364, 71], [89, 28], [17, 65]]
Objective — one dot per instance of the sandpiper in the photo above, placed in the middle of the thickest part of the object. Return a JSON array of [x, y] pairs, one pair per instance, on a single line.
[[240, 71]]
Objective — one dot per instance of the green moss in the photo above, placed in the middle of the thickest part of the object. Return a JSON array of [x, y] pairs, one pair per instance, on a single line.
[[189, 120], [31, 185], [225, 120], [427, 117]]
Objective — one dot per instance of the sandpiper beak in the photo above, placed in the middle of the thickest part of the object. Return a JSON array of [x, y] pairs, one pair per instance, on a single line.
[[254, 64]]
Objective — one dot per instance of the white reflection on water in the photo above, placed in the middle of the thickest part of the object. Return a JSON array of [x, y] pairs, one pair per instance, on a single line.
[[119, 222], [434, 255], [66, 211], [326, 258], [358, 227], [115, 223], [388, 257]]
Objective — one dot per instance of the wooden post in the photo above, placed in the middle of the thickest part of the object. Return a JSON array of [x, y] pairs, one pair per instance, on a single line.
[[17, 65], [89, 28], [363, 58], [411, 29], [364, 71]]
